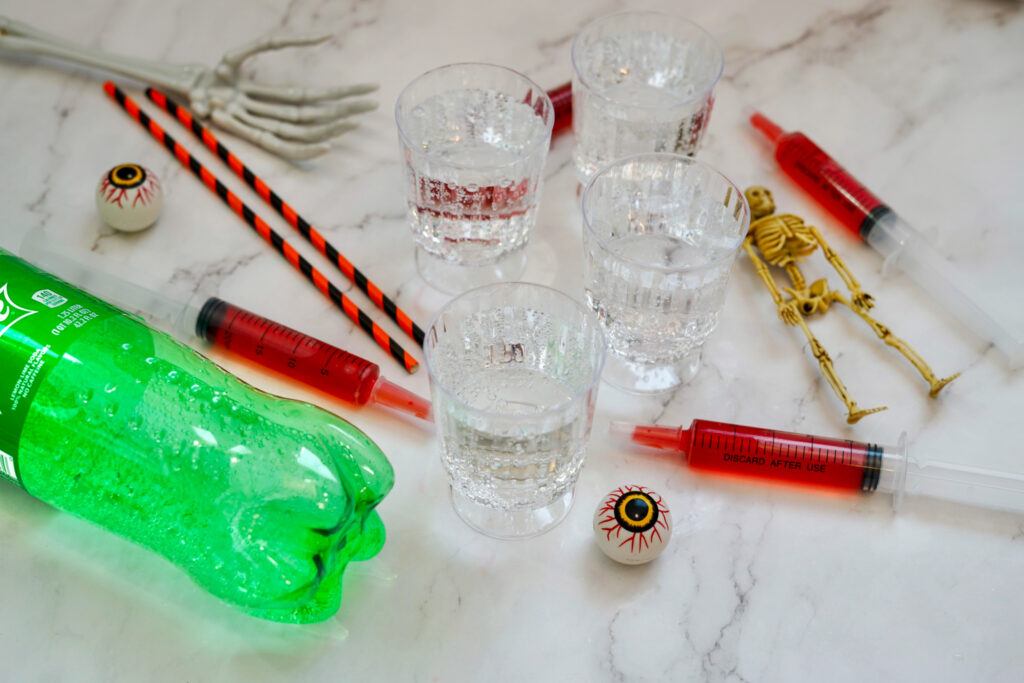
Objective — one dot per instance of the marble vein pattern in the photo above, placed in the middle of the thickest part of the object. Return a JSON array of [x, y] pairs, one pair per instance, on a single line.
[[920, 99]]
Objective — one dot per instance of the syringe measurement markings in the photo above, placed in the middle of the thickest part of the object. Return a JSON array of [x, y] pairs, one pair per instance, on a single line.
[[327, 363], [235, 317], [266, 328]]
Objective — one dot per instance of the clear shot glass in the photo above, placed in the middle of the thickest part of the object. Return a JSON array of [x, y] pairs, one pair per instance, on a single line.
[[642, 82], [660, 235], [474, 138], [514, 372]]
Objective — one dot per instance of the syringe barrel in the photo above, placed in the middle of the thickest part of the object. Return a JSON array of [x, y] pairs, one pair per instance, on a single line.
[[905, 249], [173, 311], [947, 481], [303, 358], [786, 456]]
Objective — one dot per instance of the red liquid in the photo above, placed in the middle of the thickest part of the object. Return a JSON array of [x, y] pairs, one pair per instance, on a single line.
[[561, 105], [768, 454], [819, 174], [458, 202], [282, 349]]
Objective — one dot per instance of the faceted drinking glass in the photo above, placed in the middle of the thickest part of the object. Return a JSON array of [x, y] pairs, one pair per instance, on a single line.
[[474, 138], [642, 82], [660, 234], [514, 370]]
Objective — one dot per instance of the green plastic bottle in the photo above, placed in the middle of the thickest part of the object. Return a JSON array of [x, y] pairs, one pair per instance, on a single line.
[[261, 500]]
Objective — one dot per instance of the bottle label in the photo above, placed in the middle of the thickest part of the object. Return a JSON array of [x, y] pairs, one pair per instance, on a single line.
[[40, 317]]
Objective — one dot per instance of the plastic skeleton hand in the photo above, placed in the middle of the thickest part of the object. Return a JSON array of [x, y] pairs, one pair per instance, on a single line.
[[862, 300], [290, 121], [789, 312]]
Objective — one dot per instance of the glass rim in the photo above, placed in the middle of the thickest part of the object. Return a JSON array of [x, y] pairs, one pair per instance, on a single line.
[[525, 154], [587, 314], [667, 156], [664, 15]]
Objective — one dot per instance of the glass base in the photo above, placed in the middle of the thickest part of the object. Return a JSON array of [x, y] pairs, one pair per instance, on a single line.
[[455, 278], [649, 378], [510, 524]]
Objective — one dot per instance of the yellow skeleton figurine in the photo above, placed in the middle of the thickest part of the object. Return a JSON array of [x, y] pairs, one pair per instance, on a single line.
[[783, 240]]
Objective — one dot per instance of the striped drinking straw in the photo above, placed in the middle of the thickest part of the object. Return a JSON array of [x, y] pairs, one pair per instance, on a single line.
[[289, 214], [259, 225]]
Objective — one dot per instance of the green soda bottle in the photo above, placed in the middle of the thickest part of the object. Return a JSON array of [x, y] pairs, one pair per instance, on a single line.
[[261, 500]]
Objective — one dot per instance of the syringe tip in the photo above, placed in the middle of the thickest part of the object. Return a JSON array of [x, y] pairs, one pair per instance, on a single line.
[[393, 396], [622, 430], [670, 438], [763, 124]]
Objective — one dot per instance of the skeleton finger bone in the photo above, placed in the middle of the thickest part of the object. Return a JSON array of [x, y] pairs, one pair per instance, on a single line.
[[290, 94], [267, 140], [291, 131], [224, 98], [233, 59]]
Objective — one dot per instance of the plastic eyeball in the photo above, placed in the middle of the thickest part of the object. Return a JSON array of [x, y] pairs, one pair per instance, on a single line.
[[129, 198], [632, 525]]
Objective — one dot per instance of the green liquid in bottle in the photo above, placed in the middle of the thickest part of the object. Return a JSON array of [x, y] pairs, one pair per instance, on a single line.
[[261, 500]]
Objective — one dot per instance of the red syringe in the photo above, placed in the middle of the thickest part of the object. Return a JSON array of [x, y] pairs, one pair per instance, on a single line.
[[866, 216], [272, 345], [837, 464], [302, 358]]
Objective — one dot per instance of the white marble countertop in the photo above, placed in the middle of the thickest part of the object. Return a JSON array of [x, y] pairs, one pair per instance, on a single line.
[[922, 100]]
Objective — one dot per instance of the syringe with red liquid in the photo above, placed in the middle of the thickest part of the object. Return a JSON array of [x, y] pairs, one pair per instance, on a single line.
[[302, 358], [866, 216], [837, 464], [298, 356]]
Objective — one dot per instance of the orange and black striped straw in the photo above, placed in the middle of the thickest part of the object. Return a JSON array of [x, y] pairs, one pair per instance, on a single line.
[[289, 214], [260, 226]]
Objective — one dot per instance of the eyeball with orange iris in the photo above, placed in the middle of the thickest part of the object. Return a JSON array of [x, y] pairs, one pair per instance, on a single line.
[[632, 525], [129, 198]]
